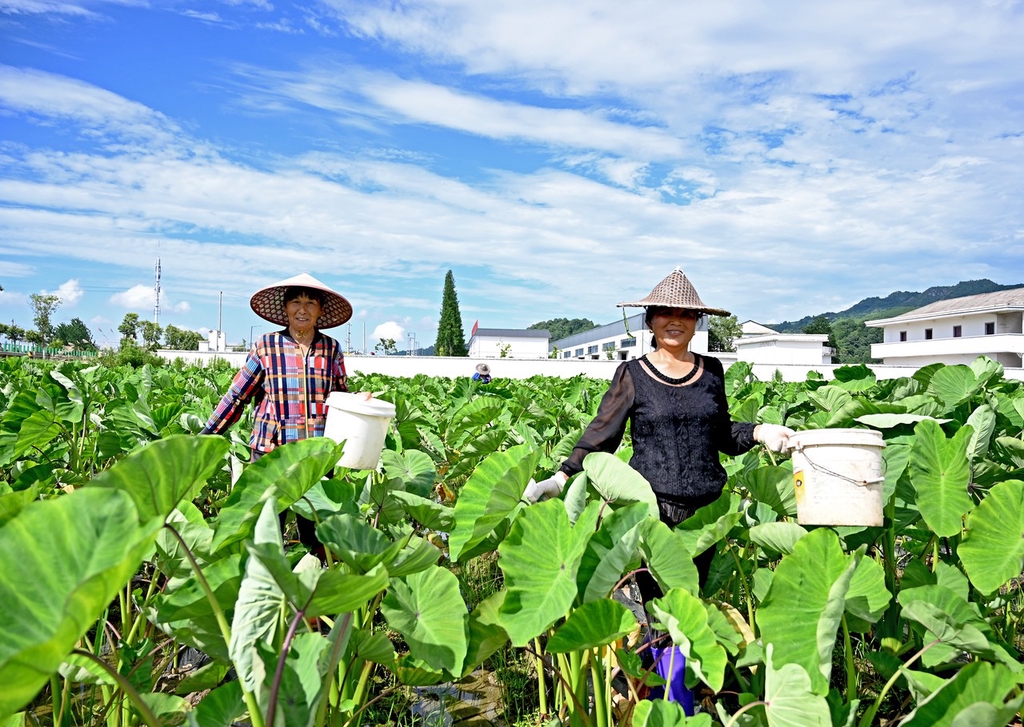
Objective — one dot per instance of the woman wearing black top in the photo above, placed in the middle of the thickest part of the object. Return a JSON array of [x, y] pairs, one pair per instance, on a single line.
[[675, 401]]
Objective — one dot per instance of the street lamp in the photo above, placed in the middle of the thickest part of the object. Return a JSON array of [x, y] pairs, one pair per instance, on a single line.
[[250, 333]]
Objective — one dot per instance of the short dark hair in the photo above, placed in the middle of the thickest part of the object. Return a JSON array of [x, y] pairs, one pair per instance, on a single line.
[[294, 291]]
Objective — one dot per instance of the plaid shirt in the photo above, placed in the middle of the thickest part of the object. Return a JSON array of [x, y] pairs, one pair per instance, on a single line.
[[289, 391]]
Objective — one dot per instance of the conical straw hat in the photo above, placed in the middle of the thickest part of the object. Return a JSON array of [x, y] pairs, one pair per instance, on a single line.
[[268, 302], [675, 291]]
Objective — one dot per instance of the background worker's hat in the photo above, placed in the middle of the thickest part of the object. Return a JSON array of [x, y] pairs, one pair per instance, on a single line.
[[483, 368], [675, 291], [268, 302]]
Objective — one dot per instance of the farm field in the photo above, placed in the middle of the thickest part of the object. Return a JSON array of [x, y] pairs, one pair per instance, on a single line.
[[145, 579]]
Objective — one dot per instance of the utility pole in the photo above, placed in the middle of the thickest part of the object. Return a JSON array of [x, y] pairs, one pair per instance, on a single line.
[[156, 307]]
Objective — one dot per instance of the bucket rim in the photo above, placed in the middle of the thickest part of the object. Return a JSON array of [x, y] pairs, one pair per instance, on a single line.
[[836, 437], [356, 404]]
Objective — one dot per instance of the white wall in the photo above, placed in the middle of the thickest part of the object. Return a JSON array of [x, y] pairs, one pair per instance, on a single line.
[[487, 346], [801, 349], [408, 366], [942, 328]]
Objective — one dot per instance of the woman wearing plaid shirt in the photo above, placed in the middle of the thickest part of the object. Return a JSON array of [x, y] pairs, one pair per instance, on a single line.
[[288, 374]]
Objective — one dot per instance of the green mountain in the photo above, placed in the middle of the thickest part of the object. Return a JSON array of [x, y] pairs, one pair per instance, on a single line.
[[899, 302]]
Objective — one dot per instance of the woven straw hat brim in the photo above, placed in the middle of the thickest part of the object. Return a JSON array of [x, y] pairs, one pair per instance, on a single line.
[[268, 302], [675, 291]]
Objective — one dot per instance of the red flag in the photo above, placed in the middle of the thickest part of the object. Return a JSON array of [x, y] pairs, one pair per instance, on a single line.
[[475, 324]]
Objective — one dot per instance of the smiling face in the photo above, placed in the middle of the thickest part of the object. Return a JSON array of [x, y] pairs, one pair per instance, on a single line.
[[673, 328], [302, 312]]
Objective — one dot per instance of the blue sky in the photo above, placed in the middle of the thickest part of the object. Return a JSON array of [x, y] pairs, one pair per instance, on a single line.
[[559, 157]]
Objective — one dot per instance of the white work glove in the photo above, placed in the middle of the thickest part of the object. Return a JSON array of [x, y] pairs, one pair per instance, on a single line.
[[774, 436], [551, 487]]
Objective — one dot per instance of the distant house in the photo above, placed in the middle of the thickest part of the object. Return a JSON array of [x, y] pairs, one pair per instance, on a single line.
[[762, 345], [620, 340], [508, 343], [955, 331]]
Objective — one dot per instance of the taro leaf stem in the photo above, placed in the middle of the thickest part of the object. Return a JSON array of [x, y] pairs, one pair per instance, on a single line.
[[869, 716], [147, 714], [279, 671], [744, 708], [222, 622]]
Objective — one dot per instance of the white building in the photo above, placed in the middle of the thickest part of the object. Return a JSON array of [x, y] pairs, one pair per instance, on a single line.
[[762, 345], [508, 343], [216, 341], [620, 341], [955, 331]]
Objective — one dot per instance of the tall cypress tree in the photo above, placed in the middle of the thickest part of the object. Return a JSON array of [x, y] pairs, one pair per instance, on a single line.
[[451, 341]]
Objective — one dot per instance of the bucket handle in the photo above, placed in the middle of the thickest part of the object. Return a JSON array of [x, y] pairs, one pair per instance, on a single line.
[[826, 470]]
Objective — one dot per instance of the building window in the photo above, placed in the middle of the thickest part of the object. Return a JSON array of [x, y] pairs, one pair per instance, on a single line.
[[627, 343], [591, 349], [958, 331], [566, 354], [927, 334], [610, 346], [579, 351], [990, 329], [903, 335]]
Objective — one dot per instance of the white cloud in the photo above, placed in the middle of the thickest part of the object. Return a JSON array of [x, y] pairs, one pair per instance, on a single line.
[[41, 7], [387, 330], [182, 307], [137, 298], [69, 293]]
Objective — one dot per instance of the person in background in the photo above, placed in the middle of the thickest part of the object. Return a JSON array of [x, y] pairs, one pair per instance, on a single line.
[[674, 400], [483, 373], [289, 373]]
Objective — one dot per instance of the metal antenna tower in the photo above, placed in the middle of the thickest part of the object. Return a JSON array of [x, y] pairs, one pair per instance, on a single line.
[[156, 307]]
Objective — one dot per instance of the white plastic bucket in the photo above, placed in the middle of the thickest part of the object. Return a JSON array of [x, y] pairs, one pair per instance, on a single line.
[[837, 476], [361, 424]]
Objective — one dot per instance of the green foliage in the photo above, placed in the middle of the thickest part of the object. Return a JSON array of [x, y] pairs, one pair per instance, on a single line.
[[151, 333], [560, 328], [451, 340], [179, 339], [123, 535], [129, 328], [722, 331], [43, 307], [74, 333]]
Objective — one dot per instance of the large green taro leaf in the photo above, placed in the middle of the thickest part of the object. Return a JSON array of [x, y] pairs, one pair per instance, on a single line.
[[485, 633], [940, 472], [260, 608], [867, 597], [63, 561], [975, 697], [667, 557], [686, 619], [300, 688], [597, 623], [414, 468], [610, 550], [163, 473], [992, 550], [540, 559], [954, 385], [779, 537], [773, 486], [711, 523], [616, 481], [662, 713], [291, 470], [428, 610], [983, 423], [791, 699], [804, 606], [490, 495]]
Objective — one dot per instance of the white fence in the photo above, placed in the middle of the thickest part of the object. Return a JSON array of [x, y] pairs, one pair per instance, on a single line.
[[453, 367]]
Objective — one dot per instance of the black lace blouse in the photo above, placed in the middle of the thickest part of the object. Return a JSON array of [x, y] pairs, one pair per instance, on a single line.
[[678, 428]]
